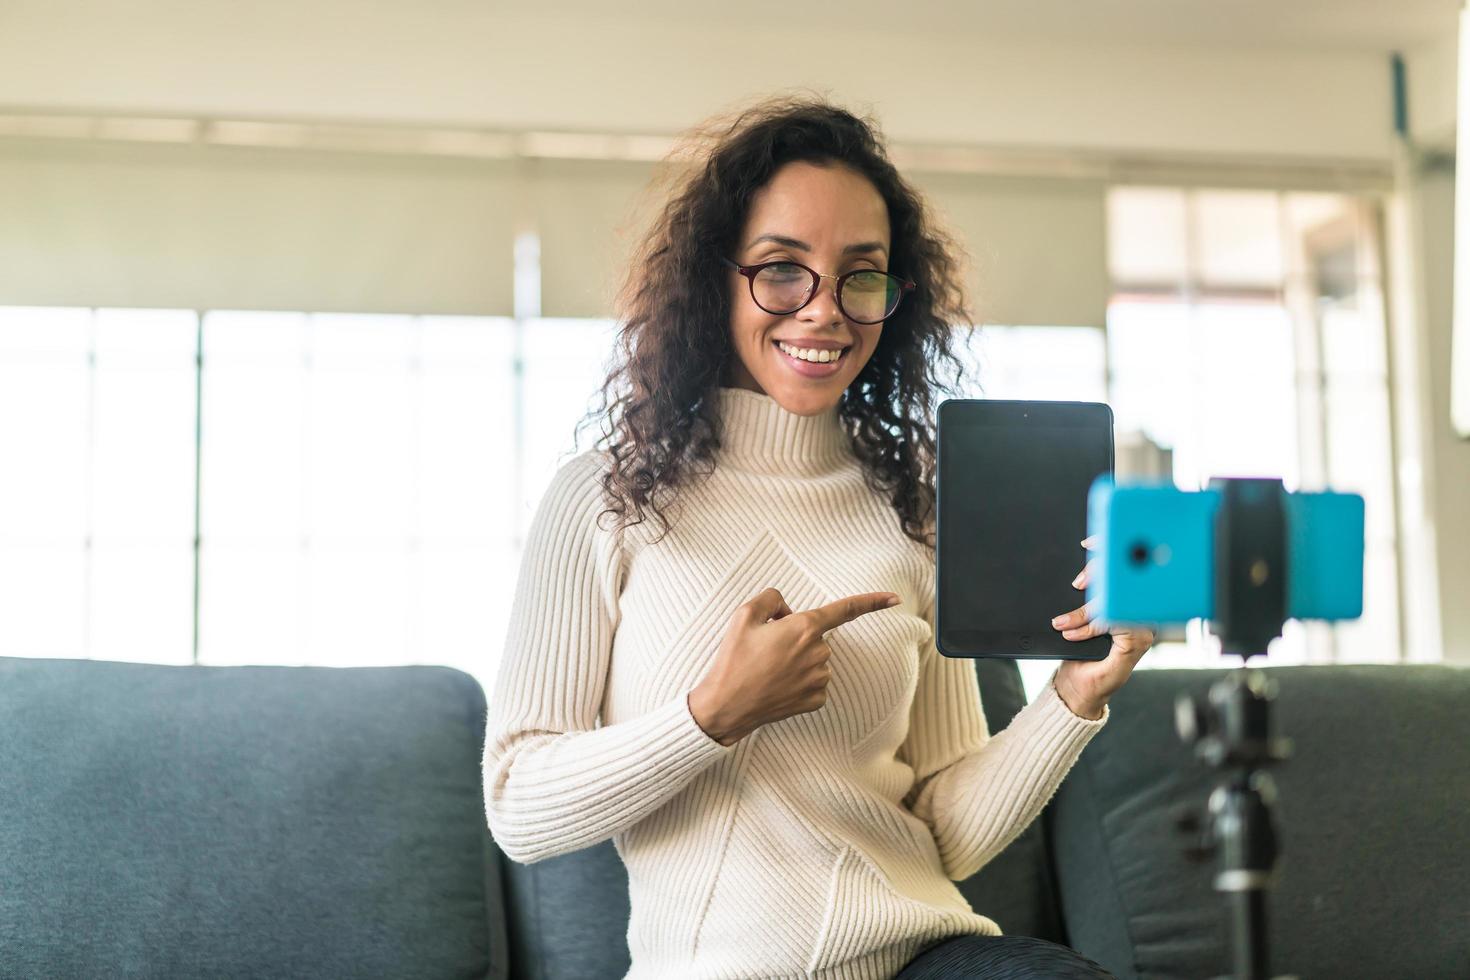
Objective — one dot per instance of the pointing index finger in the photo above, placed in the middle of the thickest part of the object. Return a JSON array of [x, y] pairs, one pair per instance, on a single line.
[[845, 610]]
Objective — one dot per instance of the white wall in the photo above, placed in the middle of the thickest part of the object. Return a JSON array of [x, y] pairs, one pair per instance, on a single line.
[[1430, 194], [1435, 199], [96, 223], [87, 223], [1432, 71]]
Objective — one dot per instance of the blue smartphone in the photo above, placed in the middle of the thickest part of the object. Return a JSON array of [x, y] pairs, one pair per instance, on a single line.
[[1156, 553]]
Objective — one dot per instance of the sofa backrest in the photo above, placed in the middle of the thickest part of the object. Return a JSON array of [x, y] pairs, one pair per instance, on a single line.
[[1017, 888], [1374, 863], [243, 821], [567, 916]]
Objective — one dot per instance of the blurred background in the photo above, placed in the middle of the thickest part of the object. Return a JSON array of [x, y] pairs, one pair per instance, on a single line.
[[300, 302]]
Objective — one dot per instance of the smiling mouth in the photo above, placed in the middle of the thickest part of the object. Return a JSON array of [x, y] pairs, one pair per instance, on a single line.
[[840, 352]]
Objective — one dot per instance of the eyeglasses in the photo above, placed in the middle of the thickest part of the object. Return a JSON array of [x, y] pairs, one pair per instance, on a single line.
[[783, 287]]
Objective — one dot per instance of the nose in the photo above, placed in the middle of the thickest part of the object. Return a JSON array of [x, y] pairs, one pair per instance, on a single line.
[[823, 308]]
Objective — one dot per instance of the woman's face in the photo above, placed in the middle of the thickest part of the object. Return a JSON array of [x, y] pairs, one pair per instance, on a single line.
[[833, 220]]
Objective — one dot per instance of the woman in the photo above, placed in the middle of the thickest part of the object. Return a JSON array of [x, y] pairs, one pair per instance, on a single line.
[[792, 774]]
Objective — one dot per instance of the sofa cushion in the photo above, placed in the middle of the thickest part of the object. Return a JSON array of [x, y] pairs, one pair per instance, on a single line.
[[567, 916], [244, 822], [1374, 862]]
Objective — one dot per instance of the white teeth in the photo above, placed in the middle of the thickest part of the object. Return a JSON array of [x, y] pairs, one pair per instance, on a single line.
[[807, 354]]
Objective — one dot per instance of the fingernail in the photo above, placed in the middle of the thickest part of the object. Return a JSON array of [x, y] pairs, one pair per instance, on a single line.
[[1058, 621], [1078, 580], [892, 601]]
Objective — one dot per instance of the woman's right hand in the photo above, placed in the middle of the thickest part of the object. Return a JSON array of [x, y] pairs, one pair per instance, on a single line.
[[772, 663]]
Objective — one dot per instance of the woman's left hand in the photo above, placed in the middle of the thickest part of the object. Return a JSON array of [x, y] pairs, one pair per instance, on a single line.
[[1087, 685]]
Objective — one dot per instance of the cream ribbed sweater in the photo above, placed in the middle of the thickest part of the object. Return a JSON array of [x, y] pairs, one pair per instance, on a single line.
[[822, 845]]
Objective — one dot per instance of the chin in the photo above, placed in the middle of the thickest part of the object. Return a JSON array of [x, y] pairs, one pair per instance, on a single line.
[[807, 399]]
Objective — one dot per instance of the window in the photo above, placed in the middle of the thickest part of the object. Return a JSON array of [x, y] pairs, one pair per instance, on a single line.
[[97, 510], [353, 490], [1246, 334], [352, 498]]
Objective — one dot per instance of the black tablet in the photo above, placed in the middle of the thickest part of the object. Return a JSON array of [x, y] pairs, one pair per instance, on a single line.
[[1012, 479]]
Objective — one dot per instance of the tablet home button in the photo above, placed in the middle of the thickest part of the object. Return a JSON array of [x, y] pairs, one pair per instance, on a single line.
[[1025, 641]]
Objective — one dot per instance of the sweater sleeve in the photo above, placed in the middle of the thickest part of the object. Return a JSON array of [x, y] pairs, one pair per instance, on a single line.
[[977, 792], [555, 782]]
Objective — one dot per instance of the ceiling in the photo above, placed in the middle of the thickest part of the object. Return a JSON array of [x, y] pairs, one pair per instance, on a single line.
[[1366, 25]]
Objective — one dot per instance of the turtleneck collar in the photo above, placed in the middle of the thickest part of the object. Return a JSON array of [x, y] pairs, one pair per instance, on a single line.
[[761, 436]]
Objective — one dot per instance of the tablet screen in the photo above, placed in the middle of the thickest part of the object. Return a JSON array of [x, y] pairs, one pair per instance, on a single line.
[[1012, 480]]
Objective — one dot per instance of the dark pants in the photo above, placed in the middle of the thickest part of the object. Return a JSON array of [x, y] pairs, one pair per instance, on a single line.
[[1001, 958]]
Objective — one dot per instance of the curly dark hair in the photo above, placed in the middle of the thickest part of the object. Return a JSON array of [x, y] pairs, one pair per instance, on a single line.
[[674, 346]]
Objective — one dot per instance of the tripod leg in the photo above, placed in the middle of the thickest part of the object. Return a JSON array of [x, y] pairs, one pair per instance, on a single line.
[[1249, 912]]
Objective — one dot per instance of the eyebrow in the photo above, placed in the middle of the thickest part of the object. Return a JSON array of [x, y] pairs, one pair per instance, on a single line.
[[803, 246]]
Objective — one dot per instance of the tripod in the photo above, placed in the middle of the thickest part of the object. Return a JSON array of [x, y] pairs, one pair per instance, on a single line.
[[1230, 728]]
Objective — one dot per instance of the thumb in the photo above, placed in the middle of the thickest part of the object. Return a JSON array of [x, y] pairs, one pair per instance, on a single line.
[[767, 604]]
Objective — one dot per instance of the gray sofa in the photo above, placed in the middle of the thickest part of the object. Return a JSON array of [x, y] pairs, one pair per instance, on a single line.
[[317, 822]]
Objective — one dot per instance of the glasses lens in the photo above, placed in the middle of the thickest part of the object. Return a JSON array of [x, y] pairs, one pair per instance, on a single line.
[[782, 288], [870, 296]]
